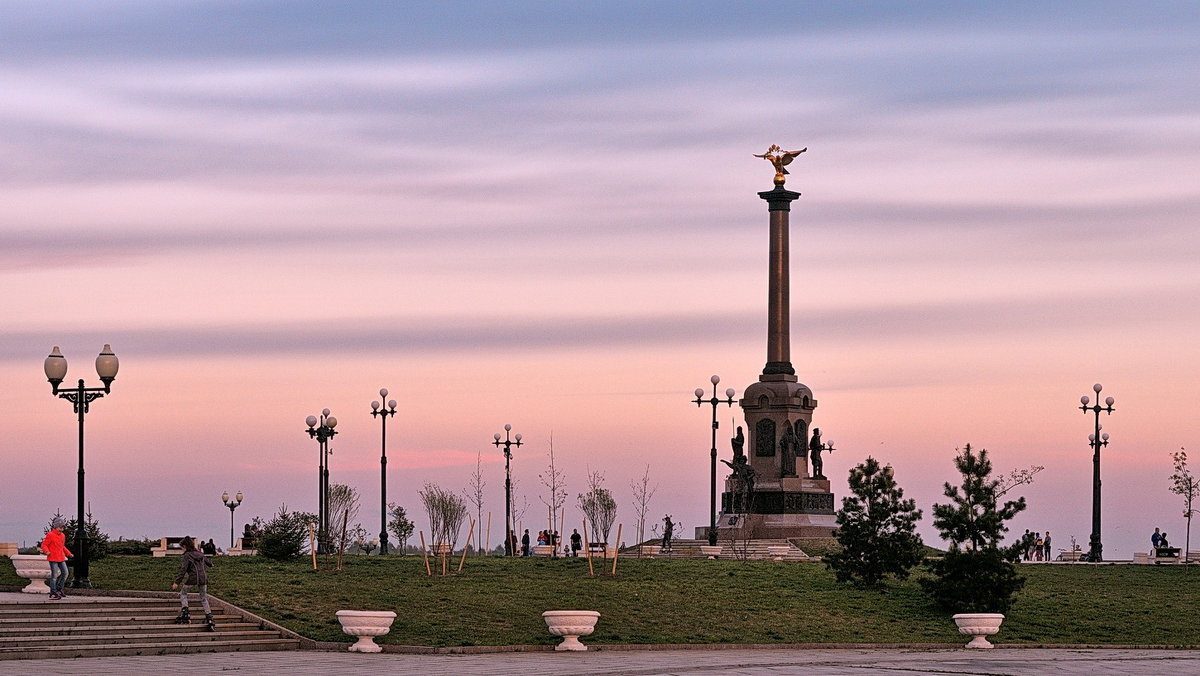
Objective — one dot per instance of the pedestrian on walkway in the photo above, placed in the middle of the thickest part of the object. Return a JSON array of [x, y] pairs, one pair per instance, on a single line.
[[576, 542], [193, 572], [55, 547]]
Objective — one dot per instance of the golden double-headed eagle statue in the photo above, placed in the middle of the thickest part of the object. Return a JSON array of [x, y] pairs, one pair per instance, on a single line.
[[779, 159]]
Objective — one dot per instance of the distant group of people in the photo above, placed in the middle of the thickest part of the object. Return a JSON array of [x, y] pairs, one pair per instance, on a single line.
[[1036, 546], [552, 538]]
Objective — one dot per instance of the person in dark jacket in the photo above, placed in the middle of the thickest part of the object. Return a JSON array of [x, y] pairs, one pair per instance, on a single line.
[[193, 572]]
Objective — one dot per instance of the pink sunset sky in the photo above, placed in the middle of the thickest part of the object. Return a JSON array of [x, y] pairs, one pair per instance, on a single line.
[[544, 214]]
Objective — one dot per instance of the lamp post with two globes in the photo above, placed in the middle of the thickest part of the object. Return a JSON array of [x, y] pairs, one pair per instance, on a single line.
[[232, 505], [322, 432], [378, 410], [1096, 440], [80, 397], [508, 524], [715, 401]]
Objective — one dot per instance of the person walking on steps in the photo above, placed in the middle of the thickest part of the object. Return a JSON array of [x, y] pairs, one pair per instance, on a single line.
[[55, 547], [193, 572]]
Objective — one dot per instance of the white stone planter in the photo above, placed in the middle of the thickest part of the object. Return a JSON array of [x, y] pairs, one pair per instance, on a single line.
[[36, 569], [366, 625], [711, 551], [571, 624], [543, 550], [978, 625]]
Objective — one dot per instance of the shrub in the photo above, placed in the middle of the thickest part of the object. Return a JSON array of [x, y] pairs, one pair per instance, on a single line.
[[973, 581], [876, 529], [131, 547], [284, 536]]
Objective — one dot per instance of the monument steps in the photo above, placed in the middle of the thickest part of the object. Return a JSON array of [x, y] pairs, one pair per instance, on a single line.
[[91, 626], [753, 550]]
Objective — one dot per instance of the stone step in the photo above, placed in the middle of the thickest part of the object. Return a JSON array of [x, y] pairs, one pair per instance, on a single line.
[[755, 550], [103, 620], [88, 630], [81, 610], [95, 626], [91, 602], [172, 648], [110, 638]]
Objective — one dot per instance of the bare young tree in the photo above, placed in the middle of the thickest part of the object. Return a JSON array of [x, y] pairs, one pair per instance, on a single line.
[[643, 492], [474, 493], [599, 507], [1187, 486], [343, 509], [556, 484], [446, 512]]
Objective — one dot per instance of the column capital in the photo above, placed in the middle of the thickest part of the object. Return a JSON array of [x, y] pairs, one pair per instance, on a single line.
[[779, 199]]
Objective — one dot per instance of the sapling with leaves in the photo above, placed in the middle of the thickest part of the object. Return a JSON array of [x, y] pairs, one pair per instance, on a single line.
[[1186, 486]]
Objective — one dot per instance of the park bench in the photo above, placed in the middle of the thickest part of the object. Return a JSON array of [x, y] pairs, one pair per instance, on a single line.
[[168, 546], [1069, 555], [244, 547]]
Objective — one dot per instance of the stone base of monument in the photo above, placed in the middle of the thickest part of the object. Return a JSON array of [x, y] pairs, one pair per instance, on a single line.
[[779, 509]]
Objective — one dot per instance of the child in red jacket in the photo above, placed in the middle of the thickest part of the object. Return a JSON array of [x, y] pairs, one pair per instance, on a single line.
[[55, 547]]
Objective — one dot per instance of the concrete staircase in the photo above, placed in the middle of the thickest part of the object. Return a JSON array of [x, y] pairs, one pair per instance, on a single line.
[[98, 626], [755, 550]]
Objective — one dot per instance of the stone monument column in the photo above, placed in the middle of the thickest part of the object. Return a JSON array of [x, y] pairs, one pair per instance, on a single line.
[[778, 409]]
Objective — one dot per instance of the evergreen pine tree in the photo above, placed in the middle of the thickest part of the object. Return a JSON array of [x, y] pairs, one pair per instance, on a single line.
[[876, 528], [976, 575]]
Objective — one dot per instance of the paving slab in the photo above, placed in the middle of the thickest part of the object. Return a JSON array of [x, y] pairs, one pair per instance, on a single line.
[[763, 662]]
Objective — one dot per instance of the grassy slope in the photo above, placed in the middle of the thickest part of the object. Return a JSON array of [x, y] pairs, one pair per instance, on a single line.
[[499, 601]]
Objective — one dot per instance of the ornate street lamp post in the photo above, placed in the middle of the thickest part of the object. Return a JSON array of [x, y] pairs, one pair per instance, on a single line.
[[80, 397], [508, 524], [232, 505], [322, 432], [1096, 440], [712, 499], [377, 410]]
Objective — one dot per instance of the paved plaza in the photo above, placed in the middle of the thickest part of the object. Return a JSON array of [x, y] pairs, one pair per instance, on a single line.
[[877, 662]]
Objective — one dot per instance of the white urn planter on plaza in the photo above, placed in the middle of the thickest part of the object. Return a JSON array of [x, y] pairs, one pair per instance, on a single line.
[[978, 625], [366, 625], [571, 624], [36, 569], [710, 551]]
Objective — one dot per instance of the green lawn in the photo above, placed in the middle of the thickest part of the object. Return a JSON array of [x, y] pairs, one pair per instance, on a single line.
[[498, 601]]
